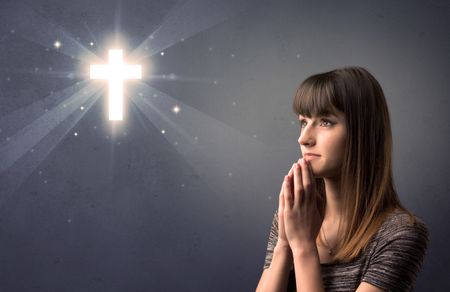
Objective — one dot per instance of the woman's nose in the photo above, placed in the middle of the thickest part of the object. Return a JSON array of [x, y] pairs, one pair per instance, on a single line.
[[306, 138]]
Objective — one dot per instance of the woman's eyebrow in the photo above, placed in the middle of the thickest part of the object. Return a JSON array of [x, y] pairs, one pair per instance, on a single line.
[[321, 116]]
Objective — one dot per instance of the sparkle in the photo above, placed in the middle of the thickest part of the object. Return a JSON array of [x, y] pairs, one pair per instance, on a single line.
[[298, 56], [95, 127], [195, 138], [210, 49], [254, 136], [182, 185], [32, 150], [57, 44], [69, 220], [8, 138], [176, 143], [215, 82], [182, 40], [230, 174], [232, 55], [162, 53], [40, 172], [172, 76], [81, 107], [176, 109], [13, 31], [75, 134], [151, 37], [118, 143], [91, 43], [8, 79], [45, 181], [233, 103], [163, 131]]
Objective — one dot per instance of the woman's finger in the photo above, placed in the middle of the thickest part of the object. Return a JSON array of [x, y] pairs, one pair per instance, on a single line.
[[281, 199], [298, 186], [306, 176], [291, 175], [291, 171], [287, 193]]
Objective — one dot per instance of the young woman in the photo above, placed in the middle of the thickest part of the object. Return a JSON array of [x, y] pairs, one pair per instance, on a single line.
[[340, 225]]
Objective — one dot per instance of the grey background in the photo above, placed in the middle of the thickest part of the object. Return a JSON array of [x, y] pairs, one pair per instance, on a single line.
[[98, 215]]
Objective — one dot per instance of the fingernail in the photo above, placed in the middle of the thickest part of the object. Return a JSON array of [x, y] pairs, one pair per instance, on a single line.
[[296, 165]]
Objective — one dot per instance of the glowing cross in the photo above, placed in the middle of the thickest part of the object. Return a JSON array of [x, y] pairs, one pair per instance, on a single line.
[[116, 71]]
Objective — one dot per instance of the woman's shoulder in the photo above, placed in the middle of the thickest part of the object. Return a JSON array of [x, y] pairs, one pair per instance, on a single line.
[[401, 224]]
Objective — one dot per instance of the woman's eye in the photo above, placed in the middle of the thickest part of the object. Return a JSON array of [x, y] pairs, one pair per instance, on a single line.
[[327, 121], [323, 121]]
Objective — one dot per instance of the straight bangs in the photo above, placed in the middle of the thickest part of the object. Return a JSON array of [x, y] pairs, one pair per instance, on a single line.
[[316, 97]]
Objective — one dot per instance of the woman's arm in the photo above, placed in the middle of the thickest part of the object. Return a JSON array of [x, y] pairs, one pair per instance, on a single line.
[[308, 274], [275, 278]]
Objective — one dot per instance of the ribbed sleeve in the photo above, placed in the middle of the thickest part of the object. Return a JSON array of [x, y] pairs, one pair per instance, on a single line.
[[271, 243], [398, 258]]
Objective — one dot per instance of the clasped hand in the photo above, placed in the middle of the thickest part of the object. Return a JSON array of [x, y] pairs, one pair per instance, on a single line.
[[299, 219]]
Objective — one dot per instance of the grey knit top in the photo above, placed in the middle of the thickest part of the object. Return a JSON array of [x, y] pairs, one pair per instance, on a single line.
[[391, 261]]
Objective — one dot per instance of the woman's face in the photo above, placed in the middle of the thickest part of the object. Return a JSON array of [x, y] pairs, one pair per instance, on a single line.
[[324, 136]]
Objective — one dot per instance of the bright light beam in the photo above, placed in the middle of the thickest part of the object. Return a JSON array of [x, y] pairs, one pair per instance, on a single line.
[[187, 19], [115, 72]]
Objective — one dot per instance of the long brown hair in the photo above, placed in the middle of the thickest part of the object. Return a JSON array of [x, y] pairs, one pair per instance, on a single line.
[[367, 184]]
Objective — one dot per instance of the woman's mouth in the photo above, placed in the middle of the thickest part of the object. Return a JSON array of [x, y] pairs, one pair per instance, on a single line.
[[311, 156]]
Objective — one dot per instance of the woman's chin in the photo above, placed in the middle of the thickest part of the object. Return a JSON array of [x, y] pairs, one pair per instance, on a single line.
[[323, 173]]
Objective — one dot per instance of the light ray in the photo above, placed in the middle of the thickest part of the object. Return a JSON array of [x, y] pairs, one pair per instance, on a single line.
[[46, 72], [97, 44], [42, 31], [179, 78], [26, 138], [16, 120], [186, 21], [214, 149], [13, 178]]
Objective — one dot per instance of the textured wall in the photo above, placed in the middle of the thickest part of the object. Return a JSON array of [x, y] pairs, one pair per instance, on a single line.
[[91, 205]]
